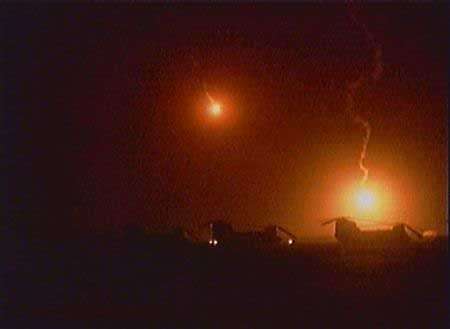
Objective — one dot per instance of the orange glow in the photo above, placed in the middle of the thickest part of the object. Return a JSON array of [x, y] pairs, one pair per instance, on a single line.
[[218, 112], [430, 234], [333, 191], [365, 200], [215, 109], [370, 202]]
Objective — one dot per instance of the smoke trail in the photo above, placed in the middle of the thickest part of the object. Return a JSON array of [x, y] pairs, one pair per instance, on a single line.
[[211, 100], [354, 86], [195, 69]]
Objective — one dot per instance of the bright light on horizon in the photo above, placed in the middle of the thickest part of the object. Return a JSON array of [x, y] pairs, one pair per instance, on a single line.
[[371, 201]]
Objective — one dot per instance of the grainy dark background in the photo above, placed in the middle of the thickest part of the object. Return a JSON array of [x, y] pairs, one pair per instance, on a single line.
[[103, 127]]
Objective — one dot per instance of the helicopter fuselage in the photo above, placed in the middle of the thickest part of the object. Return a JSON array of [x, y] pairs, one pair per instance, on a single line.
[[351, 236]]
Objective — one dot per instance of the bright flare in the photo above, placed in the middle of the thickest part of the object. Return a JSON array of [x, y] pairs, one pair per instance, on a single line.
[[215, 109], [366, 201], [372, 201]]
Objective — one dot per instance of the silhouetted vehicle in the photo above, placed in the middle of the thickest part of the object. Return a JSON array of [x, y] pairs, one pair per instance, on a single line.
[[222, 234], [352, 237]]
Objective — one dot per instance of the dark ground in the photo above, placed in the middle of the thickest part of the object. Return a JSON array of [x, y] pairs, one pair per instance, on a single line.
[[99, 283]]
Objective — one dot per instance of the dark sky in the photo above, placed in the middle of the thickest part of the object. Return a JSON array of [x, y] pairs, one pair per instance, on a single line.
[[105, 121]]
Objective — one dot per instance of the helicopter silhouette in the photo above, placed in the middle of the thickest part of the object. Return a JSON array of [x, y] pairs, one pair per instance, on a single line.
[[351, 236], [222, 233]]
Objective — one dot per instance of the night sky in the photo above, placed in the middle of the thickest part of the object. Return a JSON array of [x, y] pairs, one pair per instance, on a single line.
[[103, 113]]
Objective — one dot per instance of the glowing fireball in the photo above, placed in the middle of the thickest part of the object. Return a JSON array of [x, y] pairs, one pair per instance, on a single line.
[[370, 201], [215, 109], [365, 199]]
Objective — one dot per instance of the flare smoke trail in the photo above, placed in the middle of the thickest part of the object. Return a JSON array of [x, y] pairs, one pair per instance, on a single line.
[[211, 100], [354, 86], [203, 84]]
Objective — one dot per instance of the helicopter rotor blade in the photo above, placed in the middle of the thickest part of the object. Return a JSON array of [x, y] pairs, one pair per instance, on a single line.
[[420, 235], [328, 222], [286, 232]]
